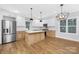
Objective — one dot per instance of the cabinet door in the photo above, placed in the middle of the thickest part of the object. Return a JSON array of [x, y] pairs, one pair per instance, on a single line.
[[23, 35], [37, 37], [20, 35], [42, 36], [31, 39], [50, 33]]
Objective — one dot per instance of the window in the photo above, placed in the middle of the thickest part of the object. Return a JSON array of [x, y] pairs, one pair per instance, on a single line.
[[63, 26], [62, 29], [28, 25], [71, 25]]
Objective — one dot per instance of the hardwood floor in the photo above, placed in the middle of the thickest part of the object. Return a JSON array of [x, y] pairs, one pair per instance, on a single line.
[[47, 46]]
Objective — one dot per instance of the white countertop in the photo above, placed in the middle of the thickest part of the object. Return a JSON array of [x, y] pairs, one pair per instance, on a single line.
[[32, 31]]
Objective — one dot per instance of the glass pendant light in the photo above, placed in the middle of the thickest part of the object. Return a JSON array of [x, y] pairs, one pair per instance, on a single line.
[[40, 16], [31, 14], [62, 15]]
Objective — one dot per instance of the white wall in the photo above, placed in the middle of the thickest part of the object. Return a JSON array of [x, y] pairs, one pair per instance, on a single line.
[[51, 22], [20, 23], [69, 36], [38, 23]]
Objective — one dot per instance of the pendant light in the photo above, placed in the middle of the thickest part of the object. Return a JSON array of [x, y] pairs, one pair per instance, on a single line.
[[31, 14], [62, 15], [40, 16]]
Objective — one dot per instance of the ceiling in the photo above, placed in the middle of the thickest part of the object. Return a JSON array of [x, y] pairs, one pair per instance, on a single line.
[[47, 9]]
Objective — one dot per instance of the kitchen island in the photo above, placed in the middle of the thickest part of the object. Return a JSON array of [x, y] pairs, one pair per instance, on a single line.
[[32, 37]]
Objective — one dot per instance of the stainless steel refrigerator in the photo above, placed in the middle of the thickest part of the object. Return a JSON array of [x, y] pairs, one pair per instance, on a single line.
[[8, 30]]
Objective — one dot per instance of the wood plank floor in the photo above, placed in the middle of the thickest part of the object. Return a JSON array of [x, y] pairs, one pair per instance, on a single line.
[[47, 46]]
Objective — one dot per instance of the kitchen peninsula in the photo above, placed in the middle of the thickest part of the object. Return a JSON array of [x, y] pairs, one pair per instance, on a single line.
[[32, 37]]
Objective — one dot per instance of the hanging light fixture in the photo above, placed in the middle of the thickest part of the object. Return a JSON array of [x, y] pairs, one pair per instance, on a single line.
[[62, 15], [40, 16], [31, 14]]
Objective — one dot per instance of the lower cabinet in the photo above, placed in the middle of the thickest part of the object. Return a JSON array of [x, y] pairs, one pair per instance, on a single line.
[[32, 38], [20, 35], [50, 33]]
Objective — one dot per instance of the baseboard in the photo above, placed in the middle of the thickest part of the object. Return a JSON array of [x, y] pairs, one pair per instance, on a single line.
[[68, 39]]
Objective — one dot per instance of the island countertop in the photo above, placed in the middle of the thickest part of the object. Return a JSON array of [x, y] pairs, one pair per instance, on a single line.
[[32, 31]]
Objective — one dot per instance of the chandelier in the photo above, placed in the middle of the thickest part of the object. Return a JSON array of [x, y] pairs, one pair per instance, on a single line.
[[62, 15]]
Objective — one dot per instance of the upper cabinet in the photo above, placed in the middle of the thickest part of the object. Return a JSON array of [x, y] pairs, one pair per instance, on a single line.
[[20, 21]]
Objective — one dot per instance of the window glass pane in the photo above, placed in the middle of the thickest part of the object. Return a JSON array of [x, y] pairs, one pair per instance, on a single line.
[[62, 29], [27, 25], [72, 29], [62, 23], [72, 25], [71, 22]]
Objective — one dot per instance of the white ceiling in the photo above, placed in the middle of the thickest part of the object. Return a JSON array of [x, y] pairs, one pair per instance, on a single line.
[[47, 9]]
